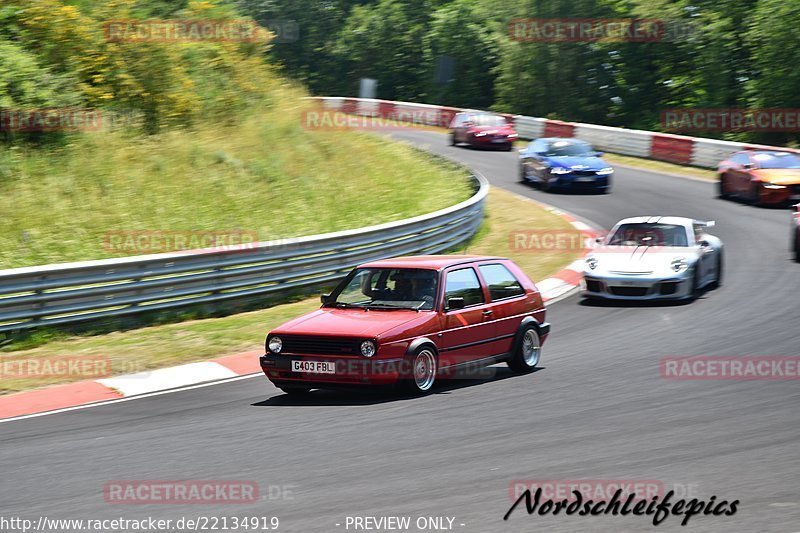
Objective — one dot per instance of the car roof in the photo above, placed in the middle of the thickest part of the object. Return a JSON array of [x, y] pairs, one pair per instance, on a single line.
[[434, 262]]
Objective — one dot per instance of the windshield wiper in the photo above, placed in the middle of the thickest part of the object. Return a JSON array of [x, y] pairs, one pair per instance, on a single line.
[[390, 306]]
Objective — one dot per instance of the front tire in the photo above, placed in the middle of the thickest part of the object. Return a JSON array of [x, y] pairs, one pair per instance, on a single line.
[[722, 187], [720, 265], [452, 139], [528, 352], [423, 366]]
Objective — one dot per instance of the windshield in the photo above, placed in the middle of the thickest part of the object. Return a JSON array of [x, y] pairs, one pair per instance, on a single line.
[[649, 235], [388, 288], [564, 148], [488, 120], [776, 160]]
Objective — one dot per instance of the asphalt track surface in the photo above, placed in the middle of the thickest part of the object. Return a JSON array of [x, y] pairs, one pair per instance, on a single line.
[[597, 410]]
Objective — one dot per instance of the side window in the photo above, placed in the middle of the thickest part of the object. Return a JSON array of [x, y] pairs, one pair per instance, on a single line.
[[463, 283], [501, 282], [539, 146]]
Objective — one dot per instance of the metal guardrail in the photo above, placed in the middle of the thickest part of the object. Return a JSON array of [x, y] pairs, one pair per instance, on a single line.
[[93, 290]]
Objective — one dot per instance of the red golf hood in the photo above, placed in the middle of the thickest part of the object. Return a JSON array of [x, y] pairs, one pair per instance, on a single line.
[[350, 322]]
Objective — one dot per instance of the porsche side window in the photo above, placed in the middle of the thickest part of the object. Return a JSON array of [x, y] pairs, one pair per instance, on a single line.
[[463, 283]]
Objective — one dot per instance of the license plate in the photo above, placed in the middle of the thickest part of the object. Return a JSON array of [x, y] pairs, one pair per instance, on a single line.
[[499, 140], [589, 178], [627, 283], [314, 367]]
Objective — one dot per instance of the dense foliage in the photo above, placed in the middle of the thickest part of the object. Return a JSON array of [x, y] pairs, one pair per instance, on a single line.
[[738, 54]]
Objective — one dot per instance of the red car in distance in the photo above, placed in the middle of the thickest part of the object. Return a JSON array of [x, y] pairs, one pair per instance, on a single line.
[[409, 321], [764, 177], [482, 130]]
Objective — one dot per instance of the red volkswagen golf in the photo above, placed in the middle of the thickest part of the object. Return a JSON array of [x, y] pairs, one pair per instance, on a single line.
[[409, 321]]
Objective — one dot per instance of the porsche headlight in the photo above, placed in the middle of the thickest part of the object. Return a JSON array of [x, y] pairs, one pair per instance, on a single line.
[[560, 170], [773, 186], [679, 264], [605, 171], [591, 262], [367, 348], [275, 344]]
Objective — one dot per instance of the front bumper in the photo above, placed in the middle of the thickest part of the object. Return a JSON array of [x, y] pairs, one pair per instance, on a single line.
[[579, 182], [489, 141], [348, 371], [635, 287]]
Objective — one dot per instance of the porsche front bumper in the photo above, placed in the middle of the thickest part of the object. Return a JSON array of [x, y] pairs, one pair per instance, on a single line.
[[637, 287]]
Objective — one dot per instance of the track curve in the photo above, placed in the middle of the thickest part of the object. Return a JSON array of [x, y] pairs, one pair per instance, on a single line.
[[598, 409]]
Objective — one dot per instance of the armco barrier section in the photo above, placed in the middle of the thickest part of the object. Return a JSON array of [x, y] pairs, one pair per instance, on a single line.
[[95, 290], [695, 151]]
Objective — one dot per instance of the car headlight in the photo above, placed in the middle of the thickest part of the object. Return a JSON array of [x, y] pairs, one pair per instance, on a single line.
[[480, 134], [773, 186], [605, 171], [275, 344], [560, 170], [591, 262], [679, 264], [367, 348], [512, 135]]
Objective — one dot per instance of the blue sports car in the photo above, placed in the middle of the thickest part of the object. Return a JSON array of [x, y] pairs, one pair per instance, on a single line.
[[559, 163]]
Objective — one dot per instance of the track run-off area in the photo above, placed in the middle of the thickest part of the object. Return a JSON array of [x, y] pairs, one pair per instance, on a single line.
[[598, 409]]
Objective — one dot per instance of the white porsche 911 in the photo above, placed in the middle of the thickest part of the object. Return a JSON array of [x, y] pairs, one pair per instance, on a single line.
[[646, 258]]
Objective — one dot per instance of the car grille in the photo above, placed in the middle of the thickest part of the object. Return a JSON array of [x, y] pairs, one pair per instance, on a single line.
[[306, 344], [583, 172], [628, 291]]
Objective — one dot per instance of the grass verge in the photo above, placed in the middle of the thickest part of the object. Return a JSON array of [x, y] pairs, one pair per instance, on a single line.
[[198, 340], [253, 179]]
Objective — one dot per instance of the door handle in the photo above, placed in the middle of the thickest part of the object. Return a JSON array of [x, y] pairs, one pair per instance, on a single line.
[[487, 313]]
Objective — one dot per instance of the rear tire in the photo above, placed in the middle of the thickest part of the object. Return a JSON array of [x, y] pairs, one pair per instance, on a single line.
[[527, 353]]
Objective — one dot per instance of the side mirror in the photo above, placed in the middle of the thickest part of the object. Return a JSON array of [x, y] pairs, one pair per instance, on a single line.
[[599, 240], [704, 243], [748, 166], [599, 154], [325, 298], [455, 303]]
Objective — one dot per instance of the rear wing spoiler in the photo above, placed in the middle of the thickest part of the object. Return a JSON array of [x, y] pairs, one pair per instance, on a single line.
[[704, 223]]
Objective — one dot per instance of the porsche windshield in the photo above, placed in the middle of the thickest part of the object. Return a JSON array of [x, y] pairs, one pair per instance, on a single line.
[[388, 288], [645, 234]]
